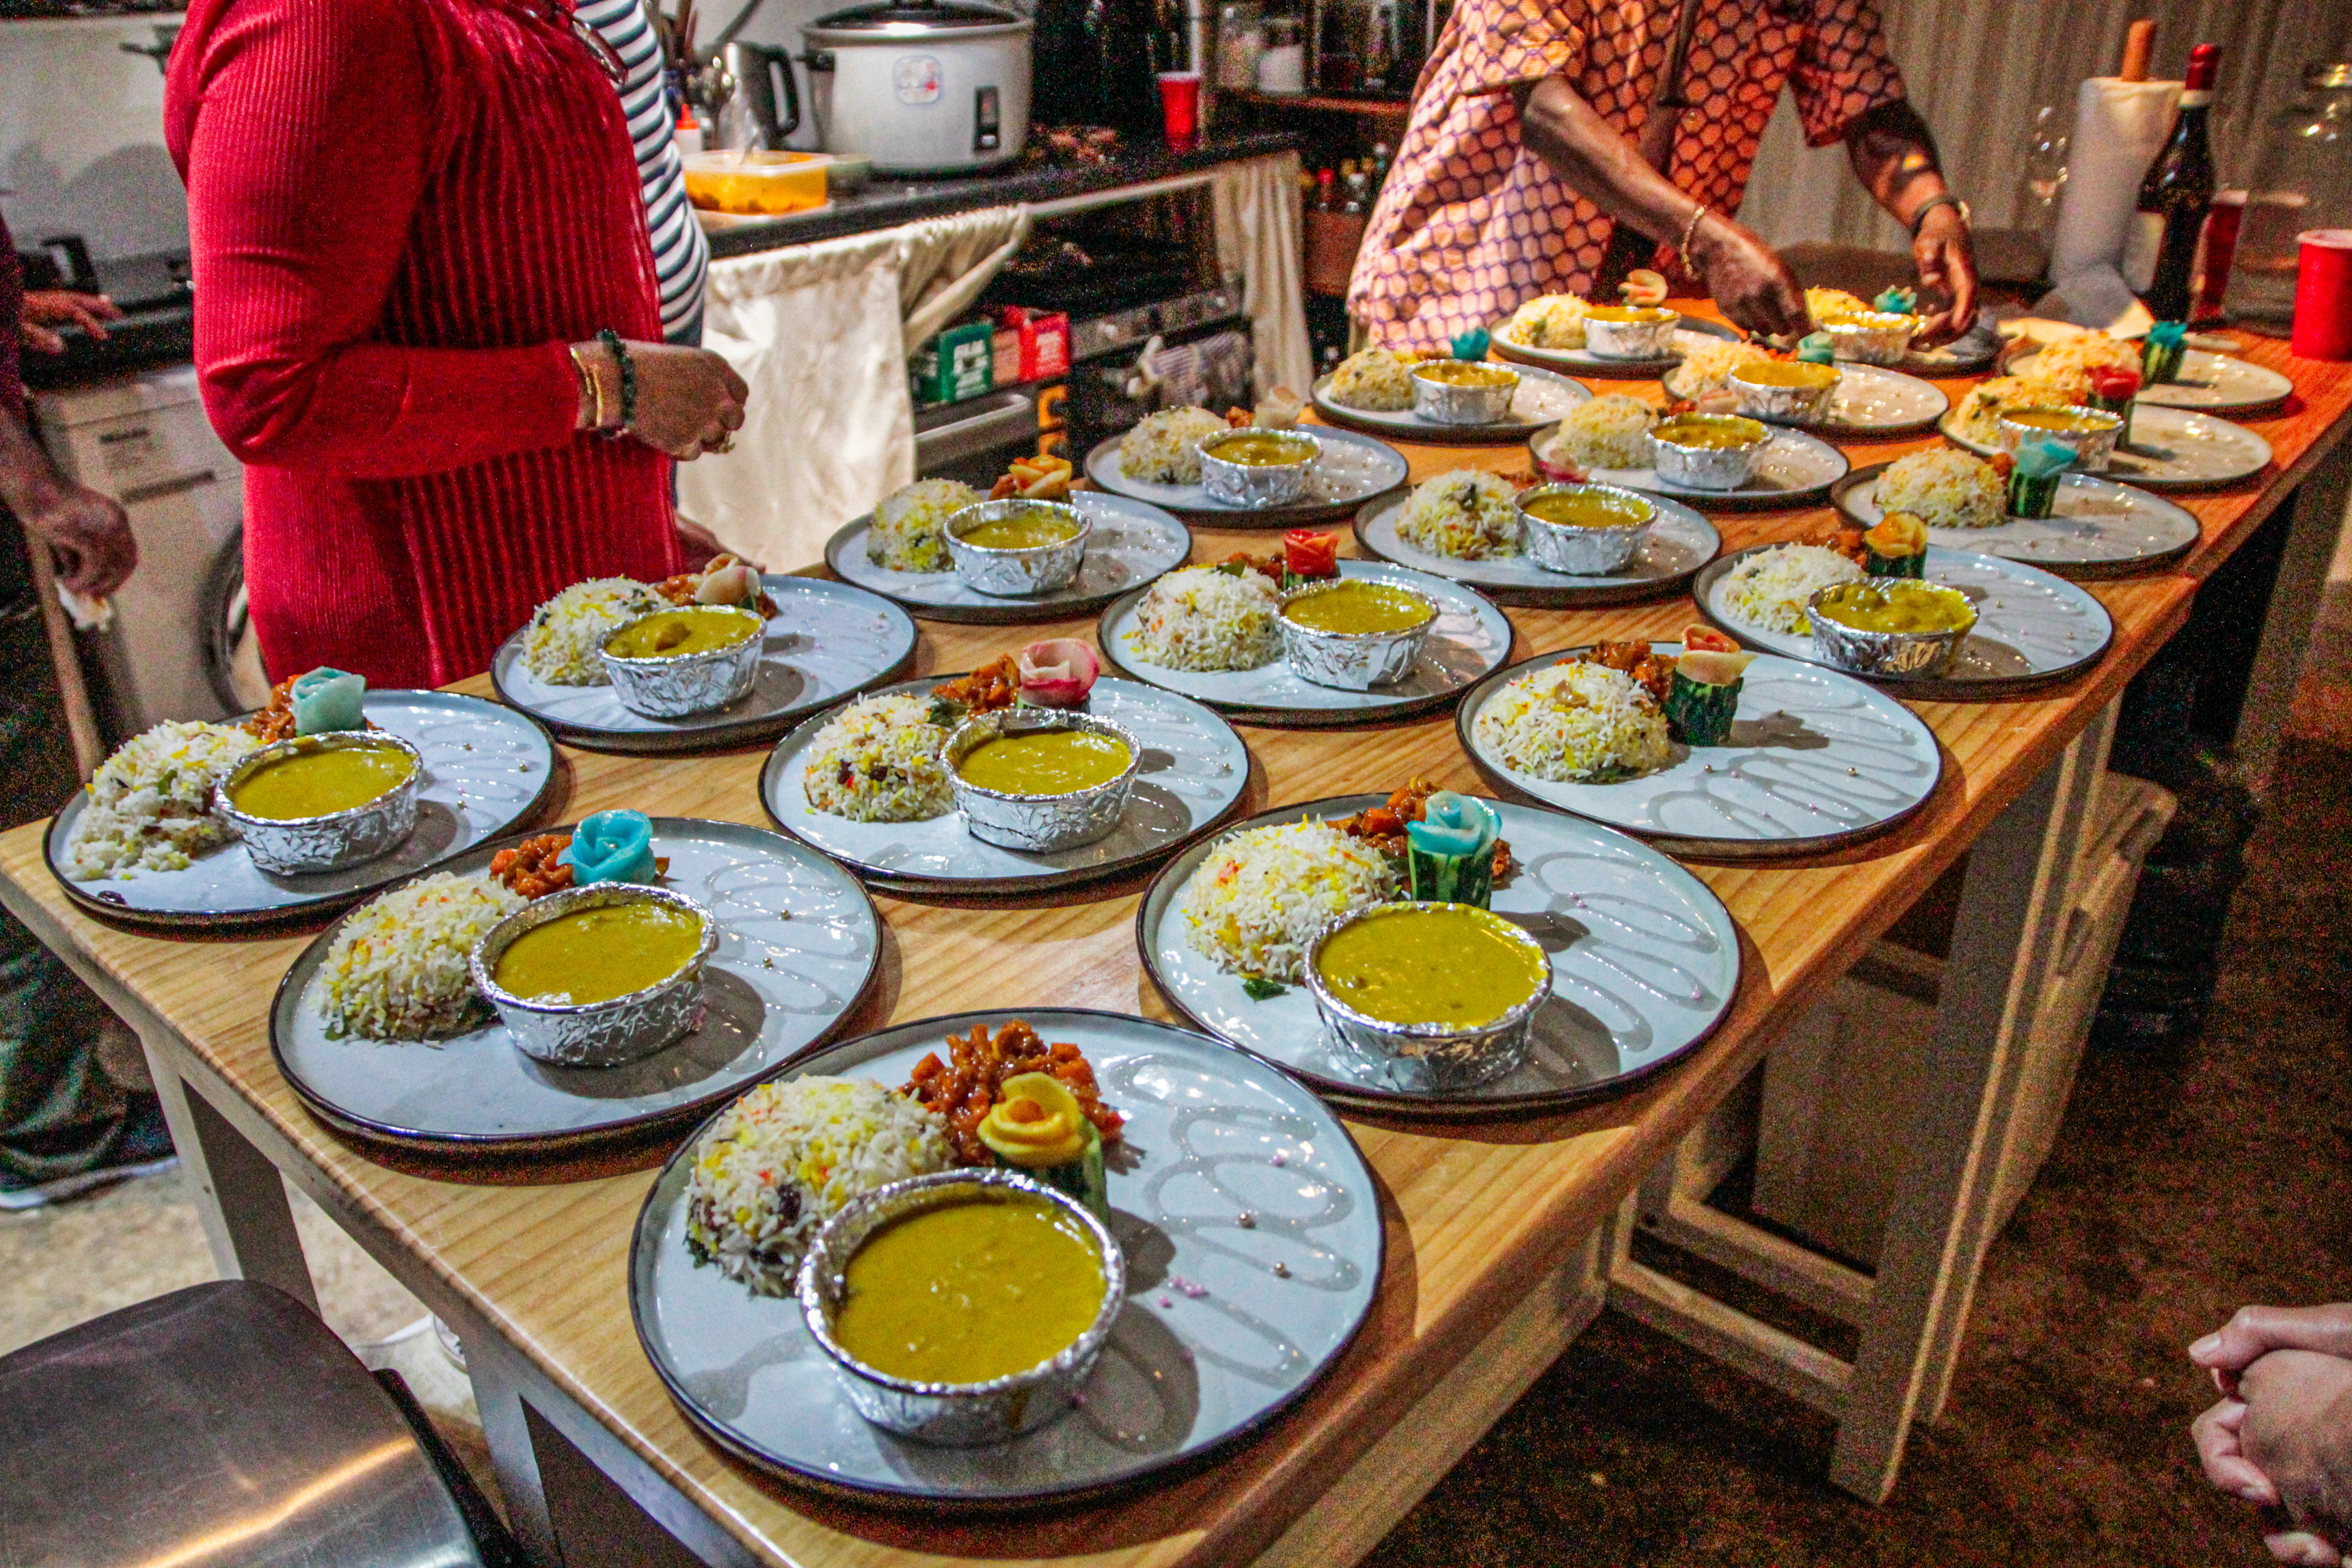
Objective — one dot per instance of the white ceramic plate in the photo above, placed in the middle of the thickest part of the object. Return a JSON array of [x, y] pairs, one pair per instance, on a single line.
[[2217, 384], [1353, 468], [798, 945], [1795, 470], [1815, 759], [1132, 542], [826, 641], [1211, 1346], [1195, 769], [1543, 397], [2097, 528], [1679, 543], [1870, 401], [1584, 361], [1471, 639], [2032, 627], [2170, 449], [486, 769], [1644, 962]]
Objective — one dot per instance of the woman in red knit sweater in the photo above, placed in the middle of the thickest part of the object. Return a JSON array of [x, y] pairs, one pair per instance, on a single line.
[[414, 222]]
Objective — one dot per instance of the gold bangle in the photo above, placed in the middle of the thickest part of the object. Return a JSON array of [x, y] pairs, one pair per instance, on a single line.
[[1690, 231], [595, 388]]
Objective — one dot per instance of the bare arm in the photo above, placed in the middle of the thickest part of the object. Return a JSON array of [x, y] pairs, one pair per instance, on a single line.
[[1751, 283], [1893, 156], [86, 534]]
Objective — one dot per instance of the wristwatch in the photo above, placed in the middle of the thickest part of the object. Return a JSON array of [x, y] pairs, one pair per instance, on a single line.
[[1941, 199]]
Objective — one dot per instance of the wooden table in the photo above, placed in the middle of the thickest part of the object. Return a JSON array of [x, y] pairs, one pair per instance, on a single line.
[[1493, 1230]]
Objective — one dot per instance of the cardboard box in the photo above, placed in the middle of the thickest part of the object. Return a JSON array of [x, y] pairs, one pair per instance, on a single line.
[[1042, 339], [957, 365]]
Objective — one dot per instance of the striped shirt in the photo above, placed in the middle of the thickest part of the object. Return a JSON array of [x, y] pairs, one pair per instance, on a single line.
[[681, 256]]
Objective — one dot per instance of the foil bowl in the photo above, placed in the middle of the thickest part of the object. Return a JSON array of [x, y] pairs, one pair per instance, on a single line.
[[1784, 405], [1039, 823], [2092, 449], [1875, 337], [1892, 656], [1350, 661], [1454, 403], [1422, 1058], [596, 1034], [952, 1414], [1707, 467], [1632, 339], [1584, 551], [302, 845], [674, 685], [1011, 573], [1257, 484]]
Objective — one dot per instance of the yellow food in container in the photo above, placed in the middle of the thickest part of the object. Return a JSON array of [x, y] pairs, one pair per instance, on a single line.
[[321, 783], [759, 184], [674, 634], [1050, 762], [1357, 608], [1893, 604], [1451, 964], [596, 955]]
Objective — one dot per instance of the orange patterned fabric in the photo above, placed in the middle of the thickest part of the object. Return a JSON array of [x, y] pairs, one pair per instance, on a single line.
[[1470, 225]]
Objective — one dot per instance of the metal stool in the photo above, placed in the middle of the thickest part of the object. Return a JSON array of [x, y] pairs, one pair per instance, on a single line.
[[220, 1426]]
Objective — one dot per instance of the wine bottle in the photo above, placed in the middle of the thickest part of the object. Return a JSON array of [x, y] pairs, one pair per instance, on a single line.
[[2175, 195]]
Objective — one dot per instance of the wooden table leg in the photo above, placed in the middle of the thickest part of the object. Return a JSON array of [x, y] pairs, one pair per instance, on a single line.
[[2010, 907], [239, 1196], [2302, 584]]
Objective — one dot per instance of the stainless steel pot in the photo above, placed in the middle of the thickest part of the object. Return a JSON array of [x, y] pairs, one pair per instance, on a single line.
[[930, 87]]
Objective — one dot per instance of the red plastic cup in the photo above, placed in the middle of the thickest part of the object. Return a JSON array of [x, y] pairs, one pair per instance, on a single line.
[[2323, 295], [1180, 106], [2214, 255]]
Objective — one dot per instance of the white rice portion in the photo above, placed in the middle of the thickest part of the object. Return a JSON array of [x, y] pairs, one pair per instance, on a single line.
[[890, 752], [1769, 589], [1945, 489], [1258, 900], [1372, 379], [150, 806], [397, 969], [1611, 431], [785, 1158], [559, 646], [1549, 322], [1202, 618], [2068, 363], [1708, 366], [909, 529], [1467, 513], [1576, 722], [1163, 448]]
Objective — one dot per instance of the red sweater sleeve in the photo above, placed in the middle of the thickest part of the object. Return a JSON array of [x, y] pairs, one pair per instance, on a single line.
[[304, 131]]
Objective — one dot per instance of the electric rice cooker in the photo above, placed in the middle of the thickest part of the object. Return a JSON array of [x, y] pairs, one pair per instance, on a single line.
[[922, 89]]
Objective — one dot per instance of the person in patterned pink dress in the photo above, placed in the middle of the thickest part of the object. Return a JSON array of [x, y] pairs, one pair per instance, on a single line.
[[1526, 151]]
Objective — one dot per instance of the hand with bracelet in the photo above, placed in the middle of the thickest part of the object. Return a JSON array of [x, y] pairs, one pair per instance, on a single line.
[[684, 402]]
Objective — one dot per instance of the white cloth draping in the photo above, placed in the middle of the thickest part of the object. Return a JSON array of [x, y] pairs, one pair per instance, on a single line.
[[2119, 128], [1257, 209], [821, 334]]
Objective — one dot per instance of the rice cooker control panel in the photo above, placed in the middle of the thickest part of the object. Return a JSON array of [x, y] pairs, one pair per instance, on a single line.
[[987, 120]]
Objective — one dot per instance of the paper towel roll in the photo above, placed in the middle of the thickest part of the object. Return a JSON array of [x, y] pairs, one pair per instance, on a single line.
[[2120, 126]]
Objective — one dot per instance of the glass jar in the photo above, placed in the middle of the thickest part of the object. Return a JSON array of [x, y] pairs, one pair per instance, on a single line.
[[1241, 38], [1282, 67], [2301, 180]]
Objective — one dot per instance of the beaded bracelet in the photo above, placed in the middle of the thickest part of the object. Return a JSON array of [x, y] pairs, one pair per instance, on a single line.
[[611, 339]]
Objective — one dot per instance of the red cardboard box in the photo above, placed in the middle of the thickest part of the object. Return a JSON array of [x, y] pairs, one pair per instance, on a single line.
[[1041, 338]]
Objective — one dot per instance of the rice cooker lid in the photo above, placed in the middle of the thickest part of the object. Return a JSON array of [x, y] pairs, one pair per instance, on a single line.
[[895, 19]]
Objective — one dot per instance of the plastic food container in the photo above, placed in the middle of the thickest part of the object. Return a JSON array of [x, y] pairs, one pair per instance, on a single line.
[[758, 184]]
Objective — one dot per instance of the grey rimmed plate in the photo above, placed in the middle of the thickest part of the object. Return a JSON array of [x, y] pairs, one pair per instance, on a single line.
[[1471, 639], [799, 943], [1195, 771], [1644, 964], [1132, 542], [1542, 397], [2170, 449], [1871, 402], [2032, 629], [826, 641], [2097, 528], [1584, 361], [1353, 468], [487, 769], [1679, 543], [1816, 760], [1794, 470], [2216, 384], [1211, 1346]]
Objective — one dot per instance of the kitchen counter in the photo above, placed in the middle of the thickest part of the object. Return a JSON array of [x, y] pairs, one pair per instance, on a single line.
[[886, 203]]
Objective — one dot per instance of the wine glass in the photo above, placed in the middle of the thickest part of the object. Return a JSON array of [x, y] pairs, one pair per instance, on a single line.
[[2045, 174]]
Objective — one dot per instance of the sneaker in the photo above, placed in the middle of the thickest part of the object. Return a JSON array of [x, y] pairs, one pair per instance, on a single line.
[[140, 1147]]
